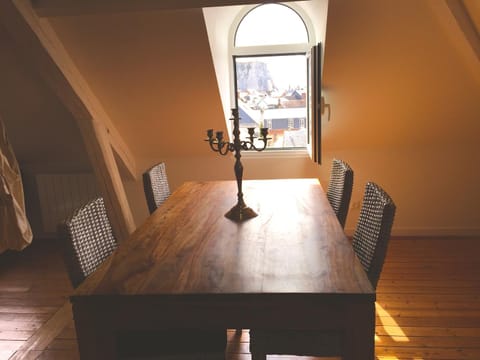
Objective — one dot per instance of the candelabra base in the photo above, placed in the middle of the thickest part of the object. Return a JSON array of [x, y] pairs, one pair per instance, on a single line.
[[240, 213]]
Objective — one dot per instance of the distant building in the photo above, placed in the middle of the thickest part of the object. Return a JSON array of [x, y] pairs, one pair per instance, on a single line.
[[275, 119]]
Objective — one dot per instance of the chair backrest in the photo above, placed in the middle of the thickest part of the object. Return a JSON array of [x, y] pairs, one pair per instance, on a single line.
[[339, 189], [372, 234], [89, 240], [155, 185]]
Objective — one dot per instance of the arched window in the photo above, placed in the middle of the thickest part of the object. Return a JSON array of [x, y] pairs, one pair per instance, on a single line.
[[269, 47], [271, 24]]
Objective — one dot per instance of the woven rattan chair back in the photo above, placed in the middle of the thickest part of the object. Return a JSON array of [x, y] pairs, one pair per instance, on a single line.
[[339, 189], [372, 234], [155, 185], [370, 243], [89, 240]]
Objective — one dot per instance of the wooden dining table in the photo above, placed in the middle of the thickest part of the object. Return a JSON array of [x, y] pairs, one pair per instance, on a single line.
[[187, 266]]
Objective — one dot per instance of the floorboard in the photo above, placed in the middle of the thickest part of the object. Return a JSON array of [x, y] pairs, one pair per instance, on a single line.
[[428, 304]]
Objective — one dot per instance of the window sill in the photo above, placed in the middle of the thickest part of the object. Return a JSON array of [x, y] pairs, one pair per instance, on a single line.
[[277, 153]]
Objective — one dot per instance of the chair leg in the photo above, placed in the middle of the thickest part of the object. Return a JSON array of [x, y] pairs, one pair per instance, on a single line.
[[259, 356]]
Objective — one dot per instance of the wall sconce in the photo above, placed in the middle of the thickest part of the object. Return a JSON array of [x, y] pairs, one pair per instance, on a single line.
[[324, 107]]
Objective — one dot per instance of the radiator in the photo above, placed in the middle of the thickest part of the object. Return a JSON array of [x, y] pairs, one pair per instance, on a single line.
[[60, 194]]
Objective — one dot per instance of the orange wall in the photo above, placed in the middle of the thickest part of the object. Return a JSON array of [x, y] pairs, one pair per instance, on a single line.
[[42, 132], [154, 75], [403, 96], [401, 81], [405, 110]]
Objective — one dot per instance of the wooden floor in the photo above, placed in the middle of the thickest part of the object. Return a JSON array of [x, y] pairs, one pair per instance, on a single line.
[[428, 303]]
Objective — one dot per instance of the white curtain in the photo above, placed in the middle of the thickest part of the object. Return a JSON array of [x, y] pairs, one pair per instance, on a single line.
[[15, 231]]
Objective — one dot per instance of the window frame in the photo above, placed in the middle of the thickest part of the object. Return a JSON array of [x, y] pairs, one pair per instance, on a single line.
[[269, 50]]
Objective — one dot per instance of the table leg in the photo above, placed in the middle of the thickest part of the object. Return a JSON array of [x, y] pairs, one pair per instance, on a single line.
[[259, 356], [360, 336], [91, 333], [107, 351]]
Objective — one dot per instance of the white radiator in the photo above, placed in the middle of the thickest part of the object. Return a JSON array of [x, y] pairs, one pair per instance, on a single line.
[[60, 194]]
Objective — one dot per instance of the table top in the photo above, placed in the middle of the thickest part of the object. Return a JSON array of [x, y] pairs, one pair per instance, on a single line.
[[187, 247]]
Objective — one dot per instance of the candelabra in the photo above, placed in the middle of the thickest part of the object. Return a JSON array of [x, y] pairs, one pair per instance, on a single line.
[[240, 211]]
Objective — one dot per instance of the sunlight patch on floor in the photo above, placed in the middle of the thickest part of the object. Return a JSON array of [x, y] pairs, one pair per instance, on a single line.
[[391, 357], [391, 327]]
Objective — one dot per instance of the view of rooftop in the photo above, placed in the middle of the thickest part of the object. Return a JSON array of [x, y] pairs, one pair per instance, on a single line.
[[272, 92]]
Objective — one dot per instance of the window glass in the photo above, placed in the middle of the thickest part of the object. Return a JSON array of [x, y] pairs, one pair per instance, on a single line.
[[271, 24], [272, 92], [270, 75]]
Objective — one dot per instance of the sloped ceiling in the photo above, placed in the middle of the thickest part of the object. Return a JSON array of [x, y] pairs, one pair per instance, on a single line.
[[403, 83], [473, 8], [41, 131], [51, 8], [406, 75], [155, 78], [152, 72]]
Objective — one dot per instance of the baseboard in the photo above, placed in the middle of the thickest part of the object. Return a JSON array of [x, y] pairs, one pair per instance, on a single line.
[[429, 232]]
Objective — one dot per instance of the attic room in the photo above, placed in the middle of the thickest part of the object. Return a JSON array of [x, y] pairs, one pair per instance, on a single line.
[[94, 94]]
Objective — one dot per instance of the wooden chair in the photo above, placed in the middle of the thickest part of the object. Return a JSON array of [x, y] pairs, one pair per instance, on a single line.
[[89, 240], [370, 242], [372, 234], [155, 185], [339, 189]]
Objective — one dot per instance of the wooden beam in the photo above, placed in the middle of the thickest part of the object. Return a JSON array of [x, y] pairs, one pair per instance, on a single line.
[[43, 51], [65, 79], [108, 176], [473, 9], [466, 24], [75, 7]]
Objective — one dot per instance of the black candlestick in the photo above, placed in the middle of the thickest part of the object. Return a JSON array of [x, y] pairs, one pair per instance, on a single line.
[[240, 211]]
